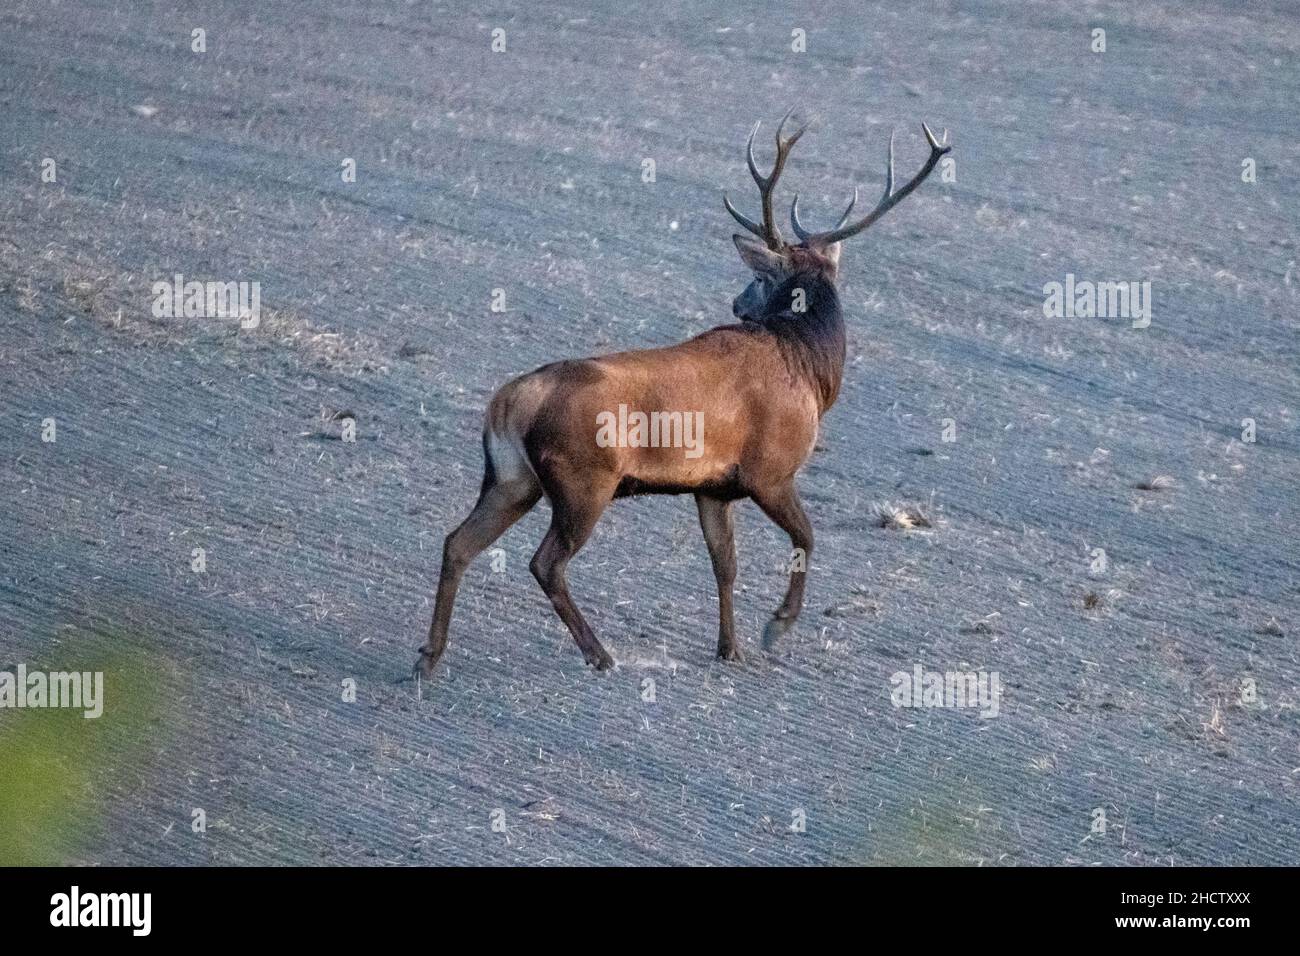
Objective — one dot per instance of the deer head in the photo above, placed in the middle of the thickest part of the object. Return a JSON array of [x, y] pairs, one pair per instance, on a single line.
[[771, 258]]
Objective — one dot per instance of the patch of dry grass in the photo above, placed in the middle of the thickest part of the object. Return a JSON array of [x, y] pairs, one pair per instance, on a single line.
[[905, 517]]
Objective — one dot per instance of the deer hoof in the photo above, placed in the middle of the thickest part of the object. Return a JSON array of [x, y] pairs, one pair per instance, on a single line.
[[602, 661], [774, 631], [424, 664], [731, 653]]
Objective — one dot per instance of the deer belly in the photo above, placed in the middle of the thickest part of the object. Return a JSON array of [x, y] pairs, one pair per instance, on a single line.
[[666, 452]]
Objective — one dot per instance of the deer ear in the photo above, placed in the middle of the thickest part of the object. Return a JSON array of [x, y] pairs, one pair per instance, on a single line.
[[757, 255]]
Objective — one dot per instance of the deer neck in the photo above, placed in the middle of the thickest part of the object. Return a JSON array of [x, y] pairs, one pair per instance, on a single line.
[[805, 317]]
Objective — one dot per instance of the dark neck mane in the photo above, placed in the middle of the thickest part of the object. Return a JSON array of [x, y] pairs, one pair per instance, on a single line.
[[811, 341]]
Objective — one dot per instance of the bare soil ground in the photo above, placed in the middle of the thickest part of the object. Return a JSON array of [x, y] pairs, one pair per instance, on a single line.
[[521, 171]]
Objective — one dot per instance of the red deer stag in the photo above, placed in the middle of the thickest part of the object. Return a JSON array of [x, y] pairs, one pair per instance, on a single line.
[[761, 386]]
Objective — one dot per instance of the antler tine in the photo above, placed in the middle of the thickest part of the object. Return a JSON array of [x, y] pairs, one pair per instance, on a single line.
[[768, 231], [848, 209], [929, 137], [889, 173], [803, 233], [783, 146], [741, 218], [795, 224], [749, 156], [790, 141], [890, 199]]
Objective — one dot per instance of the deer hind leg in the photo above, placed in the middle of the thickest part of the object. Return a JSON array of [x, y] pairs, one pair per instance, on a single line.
[[576, 504], [782, 505], [720, 536], [500, 504]]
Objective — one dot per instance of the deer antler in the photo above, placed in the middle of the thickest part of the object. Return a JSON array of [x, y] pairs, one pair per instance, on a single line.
[[887, 202], [768, 231]]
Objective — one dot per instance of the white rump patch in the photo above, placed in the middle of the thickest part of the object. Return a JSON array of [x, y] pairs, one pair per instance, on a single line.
[[509, 459]]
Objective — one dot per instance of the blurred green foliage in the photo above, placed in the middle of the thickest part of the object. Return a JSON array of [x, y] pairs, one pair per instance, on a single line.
[[59, 771]]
